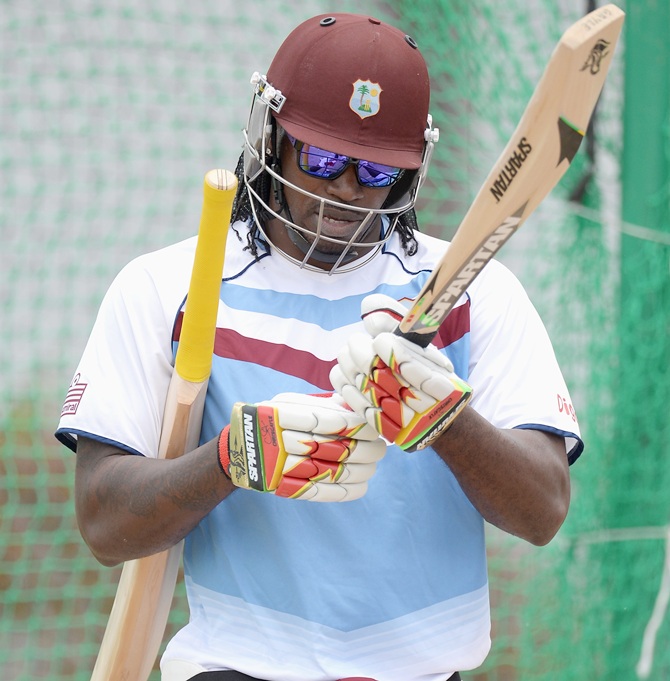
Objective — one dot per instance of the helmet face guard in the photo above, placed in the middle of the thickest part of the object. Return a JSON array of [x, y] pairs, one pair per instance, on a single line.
[[366, 120]]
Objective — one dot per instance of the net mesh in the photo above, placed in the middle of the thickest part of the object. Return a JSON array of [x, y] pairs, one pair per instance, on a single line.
[[111, 113]]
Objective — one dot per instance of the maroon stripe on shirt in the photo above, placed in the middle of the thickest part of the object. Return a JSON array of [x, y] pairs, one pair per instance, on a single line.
[[298, 363], [233, 345]]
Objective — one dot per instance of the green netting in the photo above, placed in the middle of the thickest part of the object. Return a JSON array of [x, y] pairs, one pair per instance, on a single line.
[[111, 113]]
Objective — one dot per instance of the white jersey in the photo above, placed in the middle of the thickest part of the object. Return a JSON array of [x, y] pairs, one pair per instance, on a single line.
[[392, 586]]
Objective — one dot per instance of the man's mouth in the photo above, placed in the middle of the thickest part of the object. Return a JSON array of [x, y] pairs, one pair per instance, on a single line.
[[337, 228]]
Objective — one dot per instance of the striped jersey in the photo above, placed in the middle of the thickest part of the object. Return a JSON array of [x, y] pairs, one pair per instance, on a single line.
[[392, 586]]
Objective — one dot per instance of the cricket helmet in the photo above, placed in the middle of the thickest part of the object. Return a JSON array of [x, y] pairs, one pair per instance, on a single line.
[[353, 85]]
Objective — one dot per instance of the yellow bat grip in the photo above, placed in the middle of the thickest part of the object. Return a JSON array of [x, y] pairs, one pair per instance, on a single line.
[[194, 354]]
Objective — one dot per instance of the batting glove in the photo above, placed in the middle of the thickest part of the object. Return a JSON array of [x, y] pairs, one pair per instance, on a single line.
[[408, 394], [300, 446]]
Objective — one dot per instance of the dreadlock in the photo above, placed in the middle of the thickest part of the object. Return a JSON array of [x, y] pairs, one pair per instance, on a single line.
[[242, 211]]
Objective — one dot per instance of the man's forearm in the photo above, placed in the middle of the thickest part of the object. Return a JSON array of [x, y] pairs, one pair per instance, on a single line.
[[131, 506], [517, 479]]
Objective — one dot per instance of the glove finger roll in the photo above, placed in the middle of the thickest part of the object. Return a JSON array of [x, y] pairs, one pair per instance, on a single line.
[[345, 365], [334, 449], [320, 491], [326, 421], [307, 444], [355, 473], [312, 469], [361, 353], [354, 397], [339, 492], [327, 472]]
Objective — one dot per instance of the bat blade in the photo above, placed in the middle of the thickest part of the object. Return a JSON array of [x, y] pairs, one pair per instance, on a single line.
[[144, 594], [534, 160]]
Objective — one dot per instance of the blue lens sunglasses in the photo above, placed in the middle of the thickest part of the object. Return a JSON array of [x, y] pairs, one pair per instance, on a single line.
[[328, 165]]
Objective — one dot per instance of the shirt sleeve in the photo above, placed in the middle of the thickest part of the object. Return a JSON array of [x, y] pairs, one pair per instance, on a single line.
[[516, 379], [119, 388]]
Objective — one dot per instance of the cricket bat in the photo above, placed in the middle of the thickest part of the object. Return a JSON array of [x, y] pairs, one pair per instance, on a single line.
[[534, 160], [139, 614]]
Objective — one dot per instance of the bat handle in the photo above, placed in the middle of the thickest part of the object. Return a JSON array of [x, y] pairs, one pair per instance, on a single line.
[[421, 339], [422, 322]]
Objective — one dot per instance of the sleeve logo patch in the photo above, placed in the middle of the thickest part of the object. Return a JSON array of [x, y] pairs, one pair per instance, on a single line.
[[74, 395]]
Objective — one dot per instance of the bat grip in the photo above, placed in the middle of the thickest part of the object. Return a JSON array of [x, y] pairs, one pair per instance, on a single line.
[[194, 355], [423, 340]]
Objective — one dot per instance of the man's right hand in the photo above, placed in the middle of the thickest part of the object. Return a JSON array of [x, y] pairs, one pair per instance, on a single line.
[[298, 446]]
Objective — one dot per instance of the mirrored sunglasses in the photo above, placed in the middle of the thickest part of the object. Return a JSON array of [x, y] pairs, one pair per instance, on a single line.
[[328, 165]]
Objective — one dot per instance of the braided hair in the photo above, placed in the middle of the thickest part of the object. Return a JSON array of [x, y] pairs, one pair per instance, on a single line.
[[242, 210]]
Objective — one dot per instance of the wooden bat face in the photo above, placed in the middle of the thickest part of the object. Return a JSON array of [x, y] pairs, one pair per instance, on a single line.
[[536, 157]]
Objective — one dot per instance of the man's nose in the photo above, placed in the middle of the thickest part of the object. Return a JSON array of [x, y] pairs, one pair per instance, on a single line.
[[345, 188]]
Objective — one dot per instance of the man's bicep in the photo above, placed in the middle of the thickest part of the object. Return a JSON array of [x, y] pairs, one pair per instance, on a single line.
[[545, 442]]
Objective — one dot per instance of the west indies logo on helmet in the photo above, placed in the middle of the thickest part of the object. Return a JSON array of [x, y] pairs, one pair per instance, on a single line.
[[359, 88], [365, 100]]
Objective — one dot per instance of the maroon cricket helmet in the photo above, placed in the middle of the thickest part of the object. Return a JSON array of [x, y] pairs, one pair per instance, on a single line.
[[356, 86]]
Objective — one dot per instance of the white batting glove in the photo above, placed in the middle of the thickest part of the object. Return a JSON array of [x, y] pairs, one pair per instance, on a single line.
[[408, 394], [300, 446]]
